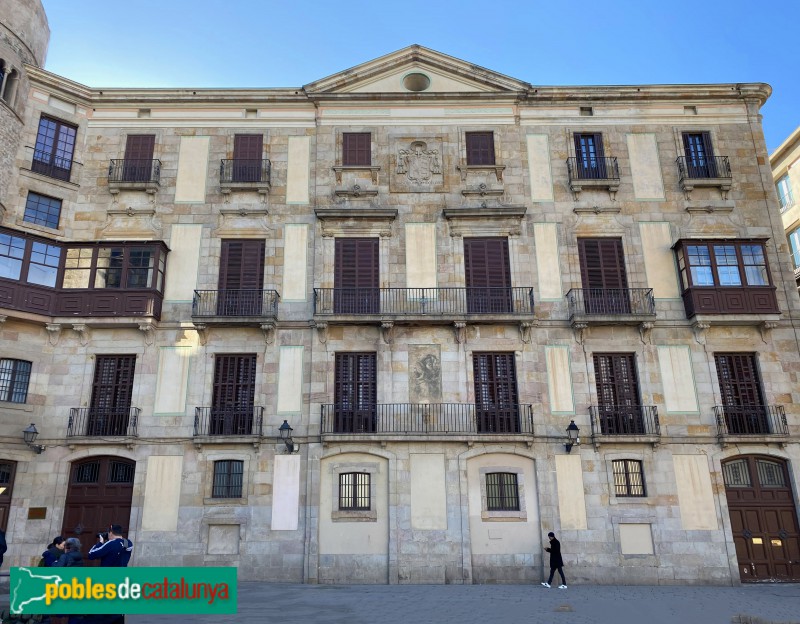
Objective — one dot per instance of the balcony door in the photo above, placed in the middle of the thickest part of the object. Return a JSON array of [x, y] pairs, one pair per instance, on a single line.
[[619, 407], [487, 275], [112, 390], [743, 403], [241, 278], [603, 276], [247, 149], [356, 277], [232, 402], [496, 399], [355, 393], [591, 164], [699, 155], [138, 165]]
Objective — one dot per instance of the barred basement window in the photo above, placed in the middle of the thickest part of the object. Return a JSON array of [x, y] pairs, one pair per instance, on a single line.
[[354, 494], [628, 477], [502, 492], [228, 479], [14, 378]]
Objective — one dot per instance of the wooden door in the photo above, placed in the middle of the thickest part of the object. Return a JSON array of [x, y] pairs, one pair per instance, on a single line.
[[763, 518], [603, 276], [356, 277], [355, 393], [138, 165], [488, 275], [232, 402], [590, 157], [112, 391], [700, 161], [99, 494], [496, 400], [618, 403], [241, 278], [740, 388], [247, 149]]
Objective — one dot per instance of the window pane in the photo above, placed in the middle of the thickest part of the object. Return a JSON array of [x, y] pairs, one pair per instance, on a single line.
[[42, 210], [628, 477], [354, 491], [736, 474], [109, 268], [727, 265], [14, 378], [12, 249], [770, 474], [755, 265], [78, 265], [140, 268], [228, 476], [43, 268], [502, 493]]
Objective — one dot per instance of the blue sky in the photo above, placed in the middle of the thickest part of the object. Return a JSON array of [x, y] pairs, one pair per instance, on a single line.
[[263, 43]]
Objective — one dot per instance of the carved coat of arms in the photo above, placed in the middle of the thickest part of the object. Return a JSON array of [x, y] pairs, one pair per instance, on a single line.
[[418, 163]]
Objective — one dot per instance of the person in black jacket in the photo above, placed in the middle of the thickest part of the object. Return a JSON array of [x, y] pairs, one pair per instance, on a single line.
[[72, 556], [556, 562], [54, 551], [3, 546]]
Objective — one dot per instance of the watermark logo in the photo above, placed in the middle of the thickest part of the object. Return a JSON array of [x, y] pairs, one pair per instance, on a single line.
[[65, 591]]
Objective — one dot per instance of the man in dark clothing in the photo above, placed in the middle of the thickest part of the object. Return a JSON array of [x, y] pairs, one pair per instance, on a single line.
[[556, 562], [114, 552], [3, 546]]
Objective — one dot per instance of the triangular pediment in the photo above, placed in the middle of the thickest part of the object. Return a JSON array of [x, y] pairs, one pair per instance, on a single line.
[[416, 70]]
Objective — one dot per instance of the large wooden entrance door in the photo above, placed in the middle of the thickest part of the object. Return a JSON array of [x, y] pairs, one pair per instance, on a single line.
[[763, 519], [99, 494]]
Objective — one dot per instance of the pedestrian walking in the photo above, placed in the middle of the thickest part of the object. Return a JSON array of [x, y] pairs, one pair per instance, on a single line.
[[556, 562], [3, 546]]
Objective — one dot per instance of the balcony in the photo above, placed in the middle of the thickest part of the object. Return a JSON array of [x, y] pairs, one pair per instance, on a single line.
[[611, 306], [102, 422], [51, 166], [602, 173], [228, 422], [134, 174], [434, 419], [413, 304], [625, 423], [235, 307], [244, 175], [711, 172], [758, 423]]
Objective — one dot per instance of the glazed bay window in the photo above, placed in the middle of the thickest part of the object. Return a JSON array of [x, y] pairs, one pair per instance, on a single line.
[[14, 378], [29, 261], [725, 277], [114, 267]]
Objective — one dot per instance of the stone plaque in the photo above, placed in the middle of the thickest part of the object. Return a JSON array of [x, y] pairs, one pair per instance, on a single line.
[[223, 539], [424, 374], [417, 165]]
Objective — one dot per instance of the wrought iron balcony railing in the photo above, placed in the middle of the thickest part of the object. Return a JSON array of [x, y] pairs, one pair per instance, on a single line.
[[235, 303], [423, 301], [761, 420], [424, 418], [95, 421], [237, 170], [605, 168], [51, 166], [624, 420], [134, 171], [611, 301], [228, 421], [716, 167]]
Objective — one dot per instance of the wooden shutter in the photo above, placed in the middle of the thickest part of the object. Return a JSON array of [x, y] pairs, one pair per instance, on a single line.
[[496, 400], [480, 148], [617, 384], [603, 276], [742, 398], [241, 278], [247, 150], [590, 155], [233, 395], [699, 152], [138, 157], [112, 390], [488, 275], [356, 276], [356, 149], [355, 392]]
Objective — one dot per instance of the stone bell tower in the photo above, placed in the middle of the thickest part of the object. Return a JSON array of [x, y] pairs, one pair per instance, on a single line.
[[24, 35]]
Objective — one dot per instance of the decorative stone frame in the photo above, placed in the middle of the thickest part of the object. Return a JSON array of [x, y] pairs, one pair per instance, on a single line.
[[353, 515], [338, 168], [503, 516], [613, 497], [208, 478]]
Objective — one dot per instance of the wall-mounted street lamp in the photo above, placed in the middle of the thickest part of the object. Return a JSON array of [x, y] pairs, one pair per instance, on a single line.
[[573, 436], [285, 436], [29, 435]]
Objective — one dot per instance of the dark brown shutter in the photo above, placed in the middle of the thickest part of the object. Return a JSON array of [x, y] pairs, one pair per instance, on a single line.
[[480, 148], [356, 276], [603, 276], [589, 155], [617, 384], [233, 395], [743, 403], [355, 392], [699, 153], [241, 278], [356, 149], [138, 157], [112, 390], [496, 399], [247, 150], [487, 274]]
